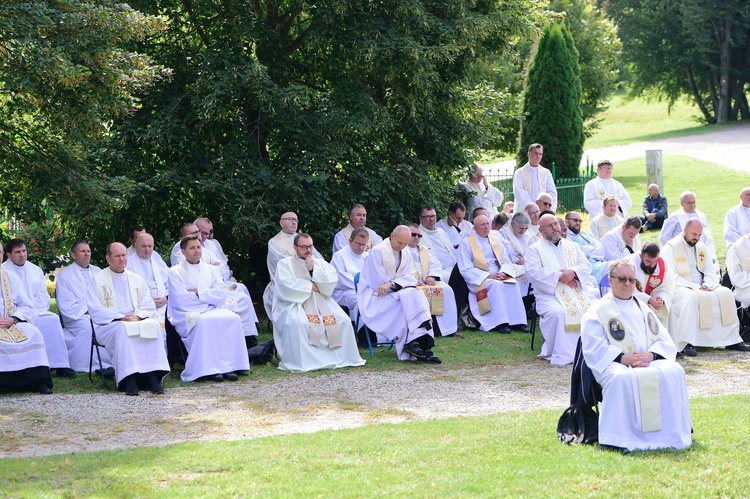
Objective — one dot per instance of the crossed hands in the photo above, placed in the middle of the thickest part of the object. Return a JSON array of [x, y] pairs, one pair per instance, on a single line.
[[637, 359]]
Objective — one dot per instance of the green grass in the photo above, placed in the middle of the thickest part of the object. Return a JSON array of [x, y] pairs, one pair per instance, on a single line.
[[500, 455], [625, 122]]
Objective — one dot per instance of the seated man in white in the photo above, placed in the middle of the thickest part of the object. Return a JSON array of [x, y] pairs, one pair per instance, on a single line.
[[607, 220], [348, 263], [532, 178], [737, 219], [655, 284], [703, 312], [518, 243], [620, 242], [738, 268], [23, 358], [212, 334], [148, 264], [310, 330], [122, 309], [133, 233], [455, 225], [559, 273], [71, 292], [481, 193], [33, 286], [604, 185], [280, 246], [675, 225], [644, 391], [357, 218], [586, 241], [428, 273], [437, 241], [218, 249], [533, 211], [544, 201], [495, 304], [206, 227], [390, 303], [238, 298]]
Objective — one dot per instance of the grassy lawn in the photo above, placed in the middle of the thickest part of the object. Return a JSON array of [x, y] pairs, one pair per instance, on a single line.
[[500, 455]]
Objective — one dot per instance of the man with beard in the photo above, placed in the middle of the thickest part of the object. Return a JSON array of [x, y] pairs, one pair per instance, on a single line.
[[703, 312], [586, 241], [655, 284]]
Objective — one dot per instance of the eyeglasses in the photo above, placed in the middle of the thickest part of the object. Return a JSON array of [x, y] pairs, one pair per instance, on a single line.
[[359, 245], [545, 203], [429, 217], [623, 280], [414, 234], [305, 247], [291, 219], [547, 226]]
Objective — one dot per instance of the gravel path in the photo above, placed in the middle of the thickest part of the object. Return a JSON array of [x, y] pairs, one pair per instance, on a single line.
[[35, 425]]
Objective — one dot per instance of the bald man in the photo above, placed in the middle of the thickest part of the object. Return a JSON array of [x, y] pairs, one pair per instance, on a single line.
[[390, 303], [146, 263]]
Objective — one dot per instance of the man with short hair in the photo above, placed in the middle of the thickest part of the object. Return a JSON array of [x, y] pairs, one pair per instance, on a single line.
[[390, 303], [703, 312], [586, 241], [559, 272], [122, 309], [532, 178], [737, 219], [655, 208], [71, 292], [544, 202], [509, 208], [348, 262], [212, 334], [34, 287], [481, 193], [357, 218], [206, 228], [645, 401], [437, 241], [607, 220], [455, 225], [133, 233], [280, 246], [518, 243], [533, 211], [655, 284], [23, 358], [674, 226], [310, 331], [428, 273], [151, 268], [479, 212], [620, 242], [495, 304], [604, 185]]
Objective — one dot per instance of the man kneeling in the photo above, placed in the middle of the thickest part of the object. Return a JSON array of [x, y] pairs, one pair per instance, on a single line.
[[644, 392]]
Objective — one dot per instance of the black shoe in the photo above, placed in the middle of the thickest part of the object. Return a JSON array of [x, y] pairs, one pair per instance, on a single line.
[[740, 347], [107, 372], [613, 448], [689, 350], [680, 355], [454, 335], [431, 358], [415, 350], [243, 372], [230, 376], [251, 341], [216, 377], [44, 389], [502, 329], [65, 372], [131, 386], [521, 328], [154, 386]]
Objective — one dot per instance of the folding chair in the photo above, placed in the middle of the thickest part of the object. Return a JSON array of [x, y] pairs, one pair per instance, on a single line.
[[367, 332], [95, 344]]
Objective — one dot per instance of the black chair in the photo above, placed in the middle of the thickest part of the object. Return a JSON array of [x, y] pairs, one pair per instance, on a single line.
[[175, 347], [96, 345], [529, 302], [370, 344]]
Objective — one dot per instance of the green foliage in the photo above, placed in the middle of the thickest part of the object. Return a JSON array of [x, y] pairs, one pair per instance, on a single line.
[[46, 245], [552, 103]]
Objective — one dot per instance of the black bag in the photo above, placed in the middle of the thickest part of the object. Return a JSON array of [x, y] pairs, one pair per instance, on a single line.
[[262, 353], [578, 424]]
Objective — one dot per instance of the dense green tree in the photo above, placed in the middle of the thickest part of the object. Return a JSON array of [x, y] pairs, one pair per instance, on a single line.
[[696, 49], [552, 103], [66, 78]]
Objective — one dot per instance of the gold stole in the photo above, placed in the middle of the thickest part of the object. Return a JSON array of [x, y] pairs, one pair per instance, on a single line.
[[315, 306], [285, 247], [648, 379], [106, 292], [543, 175], [389, 260], [725, 296], [602, 223], [744, 252], [575, 301], [434, 294], [13, 334], [602, 191], [480, 262]]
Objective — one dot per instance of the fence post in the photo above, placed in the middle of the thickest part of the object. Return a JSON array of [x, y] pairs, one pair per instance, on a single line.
[[654, 169], [553, 168]]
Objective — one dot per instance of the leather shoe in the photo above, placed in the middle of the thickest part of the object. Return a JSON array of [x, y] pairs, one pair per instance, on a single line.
[[521, 328], [216, 377], [415, 350], [130, 386], [689, 350], [740, 347], [431, 358], [502, 329], [454, 335], [44, 389], [154, 386], [680, 355], [65, 372], [231, 376]]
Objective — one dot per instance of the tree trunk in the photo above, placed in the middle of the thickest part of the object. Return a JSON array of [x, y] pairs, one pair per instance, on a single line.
[[698, 99], [722, 36], [714, 98]]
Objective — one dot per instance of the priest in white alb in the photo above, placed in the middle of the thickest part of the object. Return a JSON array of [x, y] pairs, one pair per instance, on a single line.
[[519, 239], [428, 273], [703, 312], [437, 240], [655, 285], [122, 309], [737, 219], [310, 331], [71, 292], [357, 218], [675, 225], [620, 242], [494, 295], [738, 268], [644, 392], [481, 193], [607, 220], [455, 225], [604, 185], [34, 287], [560, 275], [532, 178], [212, 334], [390, 303], [148, 264], [348, 262]]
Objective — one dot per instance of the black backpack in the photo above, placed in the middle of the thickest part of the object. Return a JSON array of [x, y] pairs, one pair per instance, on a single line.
[[262, 353]]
